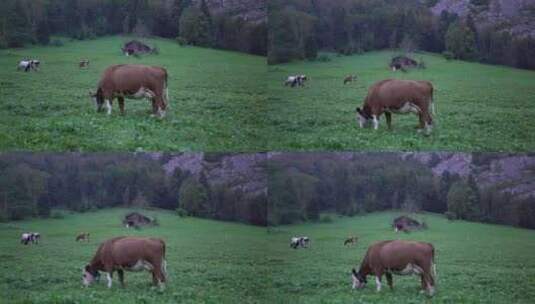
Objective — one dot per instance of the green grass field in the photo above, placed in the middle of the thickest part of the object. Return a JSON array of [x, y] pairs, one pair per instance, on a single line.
[[215, 98], [479, 107], [476, 263], [218, 262], [208, 261]]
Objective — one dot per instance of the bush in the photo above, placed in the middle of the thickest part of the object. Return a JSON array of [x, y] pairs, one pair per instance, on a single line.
[[450, 215], [448, 55], [181, 212], [57, 214], [326, 219], [181, 41], [323, 58], [57, 43]]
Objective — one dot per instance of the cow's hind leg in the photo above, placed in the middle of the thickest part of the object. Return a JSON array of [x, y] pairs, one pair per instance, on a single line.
[[389, 280], [121, 104], [388, 117], [120, 273]]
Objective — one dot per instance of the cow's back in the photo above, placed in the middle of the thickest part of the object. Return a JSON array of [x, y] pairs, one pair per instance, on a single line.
[[132, 76], [391, 92], [127, 249], [396, 253]]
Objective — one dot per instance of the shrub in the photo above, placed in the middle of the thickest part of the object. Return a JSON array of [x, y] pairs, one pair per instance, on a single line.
[[326, 219], [57, 43], [450, 215], [181, 41], [448, 55], [57, 214], [181, 212], [323, 58]]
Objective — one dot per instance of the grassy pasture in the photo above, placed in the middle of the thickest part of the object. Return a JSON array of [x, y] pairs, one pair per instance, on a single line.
[[217, 262], [215, 97], [479, 107], [476, 263], [208, 261]]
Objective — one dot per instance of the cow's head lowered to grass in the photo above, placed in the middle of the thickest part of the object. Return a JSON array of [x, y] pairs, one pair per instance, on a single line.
[[98, 99], [363, 118], [89, 275], [359, 280]]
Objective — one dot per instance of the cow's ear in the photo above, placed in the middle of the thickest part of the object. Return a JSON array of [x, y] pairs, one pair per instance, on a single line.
[[359, 111], [87, 268]]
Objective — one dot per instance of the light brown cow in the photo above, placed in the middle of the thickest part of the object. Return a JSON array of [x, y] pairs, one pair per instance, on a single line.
[[130, 254], [397, 257], [84, 236], [351, 240], [84, 63], [350, 78], [400, 97], [133, 82]]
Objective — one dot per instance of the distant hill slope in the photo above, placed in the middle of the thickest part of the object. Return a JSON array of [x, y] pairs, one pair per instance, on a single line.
[[250, 10], [515, 16]]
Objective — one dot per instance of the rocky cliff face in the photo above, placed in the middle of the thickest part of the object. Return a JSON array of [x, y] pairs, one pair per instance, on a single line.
[[514, 174], [249, 10], [515, 16], [238, 172]]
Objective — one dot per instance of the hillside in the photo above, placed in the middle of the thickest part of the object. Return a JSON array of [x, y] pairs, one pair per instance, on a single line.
[[476, 263], [207, 261], [515, 16], [214, 97]]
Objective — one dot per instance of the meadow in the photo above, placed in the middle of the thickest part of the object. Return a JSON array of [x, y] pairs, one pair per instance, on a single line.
[[207, 261], [215, 98], [479, 107], [476, 263], [219, 262]]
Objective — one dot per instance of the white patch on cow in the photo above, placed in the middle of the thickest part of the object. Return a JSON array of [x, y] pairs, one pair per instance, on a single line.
[[140, 265], [108, 106], [408, 107], [161, 112], [355, 281], [409, 269], [378, 282], [375, 122], [108, 276], [430, 289], [428, 128]]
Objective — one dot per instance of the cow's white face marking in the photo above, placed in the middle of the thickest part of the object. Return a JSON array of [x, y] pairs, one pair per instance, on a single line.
[[108, 276], [378, 282], [362, 121], [375, 122], [355, 281], [87, 278]]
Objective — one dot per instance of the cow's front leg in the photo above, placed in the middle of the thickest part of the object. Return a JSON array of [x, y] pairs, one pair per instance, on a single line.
[[108, 106], [389, 280], [121, 104], [378, 282], [388, 117], [375, 122], [109, 277]]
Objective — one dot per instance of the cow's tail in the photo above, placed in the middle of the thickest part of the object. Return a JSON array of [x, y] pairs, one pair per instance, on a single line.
[[164, 261], [433, 264], [166, 88]]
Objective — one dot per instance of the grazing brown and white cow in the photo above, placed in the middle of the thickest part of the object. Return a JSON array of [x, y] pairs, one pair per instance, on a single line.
[[397, 257], [84, 63], [299, 241], [351, 240], [133, 82], [84, 236], [297, 80], [399, 97], [350, 78], [130, 254]]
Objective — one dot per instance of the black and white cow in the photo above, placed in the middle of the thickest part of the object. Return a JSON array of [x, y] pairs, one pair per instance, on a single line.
[[28, 237], [28, 65], [299, 241], [296, 80]]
